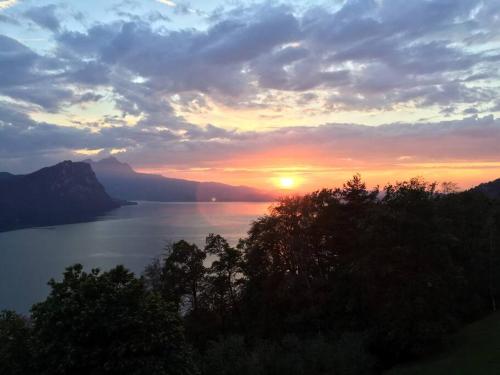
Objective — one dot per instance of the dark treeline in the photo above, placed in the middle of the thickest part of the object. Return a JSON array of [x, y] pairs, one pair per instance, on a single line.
[[343, 281]]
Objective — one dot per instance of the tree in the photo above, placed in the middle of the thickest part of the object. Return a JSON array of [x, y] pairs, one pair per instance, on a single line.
[[107, 323], [15, 345], [385, 274], [182, 274], [224, 277]]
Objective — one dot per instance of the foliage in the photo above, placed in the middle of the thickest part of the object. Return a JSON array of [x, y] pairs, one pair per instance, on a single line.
[[401, 267], [207, 296], [182, 273], [471, 351], [107, 323], [15, 347], [291, 355]]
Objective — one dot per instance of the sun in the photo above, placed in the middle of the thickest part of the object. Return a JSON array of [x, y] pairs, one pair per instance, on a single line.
[[286, 182]]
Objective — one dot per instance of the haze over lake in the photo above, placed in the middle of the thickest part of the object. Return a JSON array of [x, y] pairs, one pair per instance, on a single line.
[[130, 235]]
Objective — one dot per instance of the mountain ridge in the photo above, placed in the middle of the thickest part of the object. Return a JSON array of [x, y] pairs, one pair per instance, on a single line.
[[59, 194], [123, 182], [490, 189]]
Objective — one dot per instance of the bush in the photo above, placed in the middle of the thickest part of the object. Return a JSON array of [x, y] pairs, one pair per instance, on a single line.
[[290, 356]]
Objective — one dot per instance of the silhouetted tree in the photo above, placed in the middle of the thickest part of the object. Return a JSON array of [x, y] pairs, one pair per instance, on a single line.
[[399, 265], [15, 345], [107, 323], [182, 274], [224, 278]]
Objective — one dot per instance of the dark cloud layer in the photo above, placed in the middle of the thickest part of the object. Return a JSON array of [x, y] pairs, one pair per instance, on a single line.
[[372, 54], [395, 53]]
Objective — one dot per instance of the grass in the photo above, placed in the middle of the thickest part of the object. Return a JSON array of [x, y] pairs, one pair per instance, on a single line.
[[475, 350]]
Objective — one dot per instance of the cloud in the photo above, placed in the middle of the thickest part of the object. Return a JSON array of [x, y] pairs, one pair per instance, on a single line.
[[26, 144], [16, 62], [167, 2], [329, 145], [467, 139], [8, 20], [7, 3], [44, 16], [366, 55], [29, 77], [89, 97], [495, 107]]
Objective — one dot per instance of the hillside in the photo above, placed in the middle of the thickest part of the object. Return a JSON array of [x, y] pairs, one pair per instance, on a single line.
[[491, 189], [63, 193], [4, 176], [121, 181], [474, 350]]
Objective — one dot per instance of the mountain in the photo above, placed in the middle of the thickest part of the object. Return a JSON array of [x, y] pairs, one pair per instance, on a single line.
[[491, 189], [4, 176], [66, 192], [121, 181]]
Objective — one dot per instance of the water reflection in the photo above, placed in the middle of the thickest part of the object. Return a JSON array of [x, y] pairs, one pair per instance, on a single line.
[[130, 235]]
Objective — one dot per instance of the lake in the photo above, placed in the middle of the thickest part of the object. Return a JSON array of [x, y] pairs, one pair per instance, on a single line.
[[130, 235]]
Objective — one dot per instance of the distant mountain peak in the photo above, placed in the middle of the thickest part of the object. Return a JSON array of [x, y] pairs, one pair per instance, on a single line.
[[110, 160], [110, 165], [121, 181]]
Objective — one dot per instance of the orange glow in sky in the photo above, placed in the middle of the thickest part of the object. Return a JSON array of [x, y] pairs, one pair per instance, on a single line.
[[302, 179]]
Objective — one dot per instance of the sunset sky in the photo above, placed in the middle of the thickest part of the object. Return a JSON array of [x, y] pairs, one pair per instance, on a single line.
[[296, 94]]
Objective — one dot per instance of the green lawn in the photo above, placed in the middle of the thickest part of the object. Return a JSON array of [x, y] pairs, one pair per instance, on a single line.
[[475, 350]]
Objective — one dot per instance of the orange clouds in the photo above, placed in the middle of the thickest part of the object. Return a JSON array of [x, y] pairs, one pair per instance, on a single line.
[[465, 152]]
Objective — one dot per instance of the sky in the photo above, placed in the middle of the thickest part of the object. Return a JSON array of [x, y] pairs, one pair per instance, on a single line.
[[272, 94]]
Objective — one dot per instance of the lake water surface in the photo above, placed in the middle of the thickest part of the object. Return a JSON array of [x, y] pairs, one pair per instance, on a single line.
[[130, 235]]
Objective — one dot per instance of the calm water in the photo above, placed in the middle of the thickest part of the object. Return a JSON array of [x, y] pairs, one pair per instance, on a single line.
[[131, 235]]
